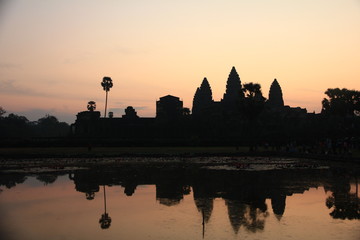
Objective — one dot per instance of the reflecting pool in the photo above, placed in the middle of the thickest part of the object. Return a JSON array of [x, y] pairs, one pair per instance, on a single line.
[[161, 202]]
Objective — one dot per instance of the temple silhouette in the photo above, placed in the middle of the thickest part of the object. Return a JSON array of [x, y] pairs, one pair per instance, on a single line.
[[242, 116]]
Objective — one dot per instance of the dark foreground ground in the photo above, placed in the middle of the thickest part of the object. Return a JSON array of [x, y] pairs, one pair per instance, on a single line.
[[225, 158], [84, 152]]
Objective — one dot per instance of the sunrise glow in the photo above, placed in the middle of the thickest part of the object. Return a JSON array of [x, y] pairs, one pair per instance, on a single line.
[[54, 54]]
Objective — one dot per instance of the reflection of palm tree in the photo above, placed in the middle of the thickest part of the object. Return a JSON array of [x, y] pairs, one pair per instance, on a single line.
[[106, 84], [105, 219]]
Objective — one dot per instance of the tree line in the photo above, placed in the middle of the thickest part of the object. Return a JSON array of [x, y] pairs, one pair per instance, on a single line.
[[14, 126]]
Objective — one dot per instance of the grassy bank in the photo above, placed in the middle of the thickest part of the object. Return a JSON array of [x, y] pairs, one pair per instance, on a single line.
[[82, 152], [117, 151]]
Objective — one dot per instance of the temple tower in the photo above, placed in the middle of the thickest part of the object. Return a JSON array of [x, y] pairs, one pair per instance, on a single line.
[[202, 98], [169, 108], [233, 88], [130, 113], [275, 95]]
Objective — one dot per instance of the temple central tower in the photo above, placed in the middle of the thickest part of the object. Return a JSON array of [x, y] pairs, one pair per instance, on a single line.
[[233, 88]]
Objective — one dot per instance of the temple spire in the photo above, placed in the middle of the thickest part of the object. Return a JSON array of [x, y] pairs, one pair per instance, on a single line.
[[202, 98], [275, 95], [196, 101], [233, 87], [206, 92]]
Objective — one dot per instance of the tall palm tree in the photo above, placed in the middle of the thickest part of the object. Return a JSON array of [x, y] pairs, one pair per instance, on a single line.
[[106, 84], [105, 219]]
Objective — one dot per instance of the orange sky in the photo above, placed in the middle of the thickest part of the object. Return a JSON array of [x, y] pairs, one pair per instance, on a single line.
[[55, 53]]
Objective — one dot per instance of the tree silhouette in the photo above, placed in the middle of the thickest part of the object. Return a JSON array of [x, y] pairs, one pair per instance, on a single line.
[[249, 215], [91, 106], [255, 218], [49, 126], [186, 111], [341, 102], [106, 84], [254, 100], [14, 126], [11, 180], [47, 178], [252, 90], [343, 203], [2, 111], [252, 106]]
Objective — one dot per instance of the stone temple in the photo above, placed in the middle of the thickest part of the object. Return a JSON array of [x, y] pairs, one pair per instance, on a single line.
[[241, 107]]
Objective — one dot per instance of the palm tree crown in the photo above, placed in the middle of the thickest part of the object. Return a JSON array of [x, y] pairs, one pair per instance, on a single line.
[[106, 84]]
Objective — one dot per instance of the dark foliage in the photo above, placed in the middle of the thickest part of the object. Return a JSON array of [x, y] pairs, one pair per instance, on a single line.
[[19, 127], [2, 112], [341, 102], [49, 126]]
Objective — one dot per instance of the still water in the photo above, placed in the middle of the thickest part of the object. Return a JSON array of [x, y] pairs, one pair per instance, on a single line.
[[157, 202]]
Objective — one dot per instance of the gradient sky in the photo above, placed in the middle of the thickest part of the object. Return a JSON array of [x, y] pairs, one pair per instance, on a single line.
[[54, 53]]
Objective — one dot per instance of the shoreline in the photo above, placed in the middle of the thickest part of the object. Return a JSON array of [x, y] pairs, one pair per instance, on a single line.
[[162, 152]]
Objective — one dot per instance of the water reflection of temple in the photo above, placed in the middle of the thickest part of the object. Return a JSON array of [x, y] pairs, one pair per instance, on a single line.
[[244, 192]]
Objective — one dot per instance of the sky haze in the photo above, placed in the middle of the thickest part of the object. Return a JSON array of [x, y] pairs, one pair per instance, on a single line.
[[55, 53]]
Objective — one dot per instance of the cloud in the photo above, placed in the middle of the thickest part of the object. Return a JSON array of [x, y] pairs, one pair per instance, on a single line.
[[5, 65], [118, 112], [135, 107], [141, 108], [115, 109], [118, 103], [10, 86]]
